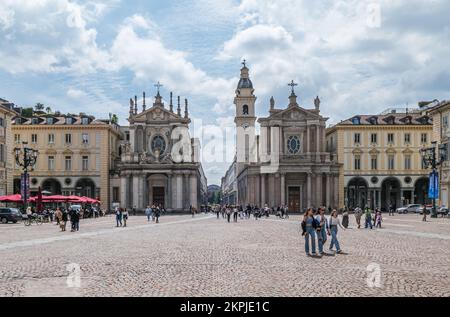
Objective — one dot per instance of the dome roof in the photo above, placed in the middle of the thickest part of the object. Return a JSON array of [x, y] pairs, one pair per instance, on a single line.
[[245, 83]]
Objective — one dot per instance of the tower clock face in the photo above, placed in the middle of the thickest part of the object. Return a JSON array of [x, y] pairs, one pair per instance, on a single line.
[[245, 126]]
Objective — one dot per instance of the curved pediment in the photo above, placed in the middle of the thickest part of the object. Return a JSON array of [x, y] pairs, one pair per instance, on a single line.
[[374, 152]]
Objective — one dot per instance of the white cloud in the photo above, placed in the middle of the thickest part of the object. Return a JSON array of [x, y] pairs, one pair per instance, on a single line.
[[76, 93]]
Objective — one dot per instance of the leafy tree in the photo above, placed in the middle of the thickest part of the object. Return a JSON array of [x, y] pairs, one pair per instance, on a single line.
[[27, 112], [39, 106], [114, 119], [48, 110]]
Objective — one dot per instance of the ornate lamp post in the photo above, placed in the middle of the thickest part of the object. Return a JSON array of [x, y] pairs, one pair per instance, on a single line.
[[26, 158], [430, 160]]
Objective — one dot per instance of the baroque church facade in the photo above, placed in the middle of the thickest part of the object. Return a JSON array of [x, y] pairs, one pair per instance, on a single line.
[[159, 162], [289, 164]]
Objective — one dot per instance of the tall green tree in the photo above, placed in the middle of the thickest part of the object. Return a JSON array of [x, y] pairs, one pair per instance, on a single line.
[[39, 106]]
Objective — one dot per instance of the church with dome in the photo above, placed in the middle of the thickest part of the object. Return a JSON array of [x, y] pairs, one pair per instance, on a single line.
[[287, 163], [159, 162]]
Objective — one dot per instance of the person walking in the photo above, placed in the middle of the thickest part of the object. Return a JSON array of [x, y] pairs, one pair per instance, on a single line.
[[125, 217], [228, 214], [157, 214], [333, 224], [358, 215], [118, 217], [218, 212], [192, 211], [309, 226], [424, 210], [391, 209], [345, 219], [148, 213], [65, 218], [322, 229], [368, 215], [378, 218], [235, 214], [59, 216]]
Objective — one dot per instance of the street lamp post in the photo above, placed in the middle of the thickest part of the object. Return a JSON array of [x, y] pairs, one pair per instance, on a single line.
[[26, 158], [430, 160]]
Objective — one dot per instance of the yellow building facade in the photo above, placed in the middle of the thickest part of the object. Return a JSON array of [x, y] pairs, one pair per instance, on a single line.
[[441, 134], [6, 144], [380, 159], [76, 154]]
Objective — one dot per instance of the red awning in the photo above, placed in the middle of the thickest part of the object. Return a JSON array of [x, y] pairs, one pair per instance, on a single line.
[[17, 198]]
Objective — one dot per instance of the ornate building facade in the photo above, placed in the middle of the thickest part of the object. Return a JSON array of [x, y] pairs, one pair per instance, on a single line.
[[287, 164], [380, 158], [159, 163]]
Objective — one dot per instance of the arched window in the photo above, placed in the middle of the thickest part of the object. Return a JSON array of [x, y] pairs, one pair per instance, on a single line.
[[245, 110]]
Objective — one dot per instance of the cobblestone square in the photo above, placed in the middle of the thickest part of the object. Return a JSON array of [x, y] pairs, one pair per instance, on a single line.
[[203, 256]]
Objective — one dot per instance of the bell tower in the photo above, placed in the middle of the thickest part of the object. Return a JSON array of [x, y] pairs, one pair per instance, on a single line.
[[245, 101]]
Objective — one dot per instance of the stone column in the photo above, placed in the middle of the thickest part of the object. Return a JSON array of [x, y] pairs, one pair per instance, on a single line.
[[179, 191], [132, 140], [319, 190], [308, 189], [123, 191], [283, 189], [169, 192], [308, 139], [337, 192], [328, 193], [263, 189], [135, 191], [193, 191], [186, 191]]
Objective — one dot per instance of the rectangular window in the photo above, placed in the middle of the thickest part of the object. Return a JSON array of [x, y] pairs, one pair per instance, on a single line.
[[2, 122], [2, 153], [407, 138], [34, 138], [115, 194], [68, 138], [85, 163], [68, 163], [374, 163], [407, 162], [373, 138], [357, 138], [17, 138], [127, 136], [391, 162], [357, 163], [51, 138], [390, 138], [51, 163], [424, 138], [85, 138], [445, 122]]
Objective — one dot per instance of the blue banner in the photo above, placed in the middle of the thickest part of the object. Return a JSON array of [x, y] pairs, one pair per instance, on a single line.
[[433, 190]]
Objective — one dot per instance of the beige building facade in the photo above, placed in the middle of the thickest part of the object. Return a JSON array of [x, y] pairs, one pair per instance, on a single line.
[[441, 134], [6, 145], [76, 153], [380, 158]]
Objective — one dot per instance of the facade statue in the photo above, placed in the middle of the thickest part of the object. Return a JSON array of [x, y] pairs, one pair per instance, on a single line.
[[317, 102]]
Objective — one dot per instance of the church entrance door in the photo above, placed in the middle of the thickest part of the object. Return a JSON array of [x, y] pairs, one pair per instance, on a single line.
[[158, 196], [294, 199]]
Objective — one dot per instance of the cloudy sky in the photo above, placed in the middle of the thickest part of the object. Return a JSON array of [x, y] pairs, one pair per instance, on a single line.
[[358, 56]]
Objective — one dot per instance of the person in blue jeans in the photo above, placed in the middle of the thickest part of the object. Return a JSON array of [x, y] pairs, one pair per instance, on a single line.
[[322, 229], [309, 226], [368, 215], [148, 213], [333, 224], [118, 217]]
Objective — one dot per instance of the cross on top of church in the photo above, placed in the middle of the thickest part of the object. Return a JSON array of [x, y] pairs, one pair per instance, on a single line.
[[158, 85], [244, 63], [292, 85]]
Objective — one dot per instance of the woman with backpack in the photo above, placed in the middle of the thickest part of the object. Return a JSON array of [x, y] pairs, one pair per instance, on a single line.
[[309, 226]]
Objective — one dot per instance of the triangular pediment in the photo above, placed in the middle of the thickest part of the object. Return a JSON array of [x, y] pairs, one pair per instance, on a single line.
[[157, 114], [295, 113]]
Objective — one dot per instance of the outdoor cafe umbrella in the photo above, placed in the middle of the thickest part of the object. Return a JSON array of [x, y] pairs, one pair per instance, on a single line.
[[17, 198]]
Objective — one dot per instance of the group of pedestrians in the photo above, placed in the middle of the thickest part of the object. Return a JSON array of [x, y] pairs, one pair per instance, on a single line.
[[316, 225], [121, 217], [371, 221], [63, 216], [153, 213], [234, 212]]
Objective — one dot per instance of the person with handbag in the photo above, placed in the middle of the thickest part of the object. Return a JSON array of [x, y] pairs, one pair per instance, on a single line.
[[333, 227], [309, 226], [322, 229], [125, 217]]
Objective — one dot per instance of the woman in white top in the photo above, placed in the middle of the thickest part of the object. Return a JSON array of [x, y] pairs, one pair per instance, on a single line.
[[334, 223], [125, 217]]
